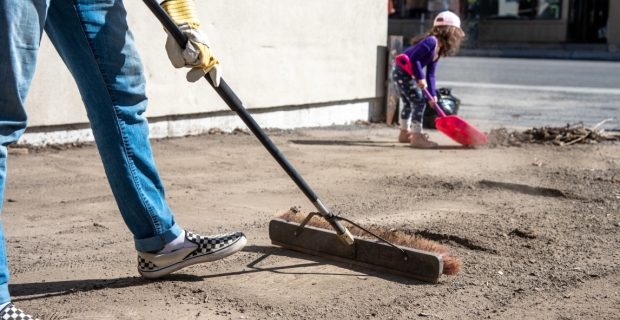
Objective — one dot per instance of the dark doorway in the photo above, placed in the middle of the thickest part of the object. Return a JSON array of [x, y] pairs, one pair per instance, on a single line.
[[587, 21]]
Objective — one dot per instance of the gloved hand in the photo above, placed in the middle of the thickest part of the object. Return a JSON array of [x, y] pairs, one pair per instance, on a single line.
[[197, 54]]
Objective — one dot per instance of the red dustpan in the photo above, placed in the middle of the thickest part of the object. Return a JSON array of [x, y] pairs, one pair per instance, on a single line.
[[452, 126]]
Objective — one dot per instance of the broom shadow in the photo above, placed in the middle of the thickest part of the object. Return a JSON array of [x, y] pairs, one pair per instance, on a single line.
[[269, 251], [42, 290], [376, 144]]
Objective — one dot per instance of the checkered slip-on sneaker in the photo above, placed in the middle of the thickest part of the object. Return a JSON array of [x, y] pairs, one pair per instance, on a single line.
[[11, 313], [210, 248]]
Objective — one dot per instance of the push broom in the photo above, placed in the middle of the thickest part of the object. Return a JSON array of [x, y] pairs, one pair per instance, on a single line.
[[309, 234]]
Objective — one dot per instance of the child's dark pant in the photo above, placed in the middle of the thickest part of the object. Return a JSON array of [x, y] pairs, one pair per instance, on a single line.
[[413, 100]]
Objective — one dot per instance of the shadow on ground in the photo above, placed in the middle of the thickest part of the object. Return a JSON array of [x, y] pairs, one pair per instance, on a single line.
[[38, 290]]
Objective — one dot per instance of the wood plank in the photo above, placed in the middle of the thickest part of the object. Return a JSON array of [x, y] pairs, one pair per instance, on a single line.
[[421, 265], [395, 47]]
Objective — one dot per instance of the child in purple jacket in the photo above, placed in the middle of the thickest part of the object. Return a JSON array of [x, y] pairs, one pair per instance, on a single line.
[[444, 38]]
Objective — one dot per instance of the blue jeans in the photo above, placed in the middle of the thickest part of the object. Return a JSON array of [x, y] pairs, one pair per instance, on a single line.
[[95, 43], [414, 102]]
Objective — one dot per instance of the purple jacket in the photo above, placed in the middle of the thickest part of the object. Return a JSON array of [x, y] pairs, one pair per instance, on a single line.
[[421, 55]]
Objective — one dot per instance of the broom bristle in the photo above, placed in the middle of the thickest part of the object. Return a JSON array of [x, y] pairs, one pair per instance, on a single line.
[[451, 264]]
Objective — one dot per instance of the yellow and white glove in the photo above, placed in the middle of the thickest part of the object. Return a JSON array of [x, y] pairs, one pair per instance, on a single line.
[[197, 54]]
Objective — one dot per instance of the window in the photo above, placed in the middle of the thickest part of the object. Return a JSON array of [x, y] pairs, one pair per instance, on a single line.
[[416, 9], [514, 9]]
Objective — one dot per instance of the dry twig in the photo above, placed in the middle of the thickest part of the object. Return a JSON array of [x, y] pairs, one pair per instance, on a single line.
[[565, 136]]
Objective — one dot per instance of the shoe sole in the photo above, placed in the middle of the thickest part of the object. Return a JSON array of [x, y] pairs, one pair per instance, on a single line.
[[221, 254]]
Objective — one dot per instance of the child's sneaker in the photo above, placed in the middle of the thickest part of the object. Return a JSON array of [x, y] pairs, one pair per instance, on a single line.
[[404, 135], [420, 141], [11, 313], [209, 248]]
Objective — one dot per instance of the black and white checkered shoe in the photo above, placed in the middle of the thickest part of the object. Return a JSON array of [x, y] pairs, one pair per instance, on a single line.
[[11, 313], [210, 248]]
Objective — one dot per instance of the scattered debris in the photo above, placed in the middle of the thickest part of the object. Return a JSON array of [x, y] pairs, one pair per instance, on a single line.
[[25, 148], [570, 134], [559, 136], [244, 131], [501, 137], [215, 131], [18, 150], [537, 163]]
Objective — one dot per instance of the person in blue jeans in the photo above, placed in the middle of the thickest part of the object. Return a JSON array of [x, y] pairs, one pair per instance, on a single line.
[[95, 43], [444, 38]]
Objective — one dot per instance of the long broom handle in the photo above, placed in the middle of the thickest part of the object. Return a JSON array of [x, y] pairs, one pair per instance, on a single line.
[[233, 102]]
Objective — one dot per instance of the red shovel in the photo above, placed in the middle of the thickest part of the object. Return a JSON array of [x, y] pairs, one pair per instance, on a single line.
[[452, 126]]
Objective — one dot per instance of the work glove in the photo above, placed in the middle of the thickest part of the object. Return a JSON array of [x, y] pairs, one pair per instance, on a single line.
[[197, 54]]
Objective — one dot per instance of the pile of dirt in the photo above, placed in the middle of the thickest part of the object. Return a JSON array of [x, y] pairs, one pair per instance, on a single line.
[[559, 136], [502, 138]]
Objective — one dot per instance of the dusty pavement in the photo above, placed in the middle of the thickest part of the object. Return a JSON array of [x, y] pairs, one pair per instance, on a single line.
[[528, 252]]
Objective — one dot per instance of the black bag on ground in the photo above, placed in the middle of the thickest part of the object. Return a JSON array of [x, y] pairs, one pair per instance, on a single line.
[[449, 104]]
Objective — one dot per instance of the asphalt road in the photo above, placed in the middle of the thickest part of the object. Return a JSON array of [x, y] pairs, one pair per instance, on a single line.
[[533, 93]]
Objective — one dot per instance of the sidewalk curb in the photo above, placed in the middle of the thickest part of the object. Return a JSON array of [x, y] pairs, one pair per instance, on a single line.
[[541, 54]]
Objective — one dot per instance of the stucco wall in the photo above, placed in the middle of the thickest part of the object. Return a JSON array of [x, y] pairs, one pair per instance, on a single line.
[[274, 53]]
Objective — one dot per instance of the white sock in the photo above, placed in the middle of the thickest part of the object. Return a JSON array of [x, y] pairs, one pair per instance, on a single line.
[[405, 124], [179, 243], [4, 305], [416, 127]]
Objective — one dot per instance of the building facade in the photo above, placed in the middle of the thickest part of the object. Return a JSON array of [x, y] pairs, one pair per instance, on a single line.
[[292, 63], [517, 21]]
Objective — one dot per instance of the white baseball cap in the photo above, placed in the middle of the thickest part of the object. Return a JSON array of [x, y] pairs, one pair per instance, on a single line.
[[448, 18]]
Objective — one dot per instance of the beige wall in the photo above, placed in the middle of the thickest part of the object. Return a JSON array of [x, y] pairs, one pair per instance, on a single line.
[[274, 53], [613, 26]]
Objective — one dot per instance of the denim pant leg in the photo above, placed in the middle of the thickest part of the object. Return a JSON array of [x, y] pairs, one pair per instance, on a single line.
[[94, 41], [21, 23], [413, 101]]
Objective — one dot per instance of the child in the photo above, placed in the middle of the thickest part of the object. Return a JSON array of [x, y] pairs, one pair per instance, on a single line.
[[445, 37]]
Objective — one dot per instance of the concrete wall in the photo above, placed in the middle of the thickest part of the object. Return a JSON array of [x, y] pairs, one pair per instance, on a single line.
[[613, 24], [275, 53], [541, 31]]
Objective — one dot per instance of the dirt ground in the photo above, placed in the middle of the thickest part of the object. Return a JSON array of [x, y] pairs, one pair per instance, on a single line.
[[537, 228]]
